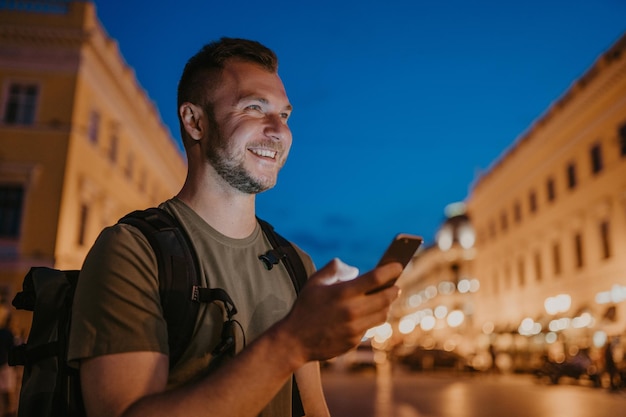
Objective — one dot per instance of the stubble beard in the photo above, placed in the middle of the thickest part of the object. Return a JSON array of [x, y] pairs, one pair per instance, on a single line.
[[231, 168]]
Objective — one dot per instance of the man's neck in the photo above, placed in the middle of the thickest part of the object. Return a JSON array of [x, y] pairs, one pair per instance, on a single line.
[[230, 213]]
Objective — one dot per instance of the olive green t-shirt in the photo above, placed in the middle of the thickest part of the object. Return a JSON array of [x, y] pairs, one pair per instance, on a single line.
[[117, 305]]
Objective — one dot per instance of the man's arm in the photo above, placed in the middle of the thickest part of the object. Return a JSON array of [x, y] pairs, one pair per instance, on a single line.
[[133, 384], [325, 321], [310, 386], [112, 383]]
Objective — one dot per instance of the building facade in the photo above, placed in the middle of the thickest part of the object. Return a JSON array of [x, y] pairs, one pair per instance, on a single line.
[[81, 143], [550, 222], [440, 290]]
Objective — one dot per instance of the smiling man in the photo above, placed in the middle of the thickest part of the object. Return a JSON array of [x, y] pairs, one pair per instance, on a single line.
[[233, 112], [250, 104]]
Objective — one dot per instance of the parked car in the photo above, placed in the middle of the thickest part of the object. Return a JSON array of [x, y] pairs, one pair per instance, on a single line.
[[360, 357], [579, 367], [421, 359]]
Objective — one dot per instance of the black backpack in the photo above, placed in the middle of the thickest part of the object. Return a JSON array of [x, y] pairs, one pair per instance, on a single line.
[[50, 387]]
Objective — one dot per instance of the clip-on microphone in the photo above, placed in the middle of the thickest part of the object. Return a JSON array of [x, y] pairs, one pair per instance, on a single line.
[[270, 258]]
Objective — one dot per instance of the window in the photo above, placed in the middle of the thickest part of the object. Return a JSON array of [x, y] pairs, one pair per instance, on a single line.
[[622, 139], [454, 270], [578, 250], [605, 239], [521, 273], [82, 223], [143, 178], [113, 144], [20, 104], [517, 212], [532, 201], [556, 259], [596, 158], [537, 261], [551, 191], [507, 276], [130, 162], [496, 286], [492, 229], [93, 128], [504, 223], [571, 176], [11, 202]]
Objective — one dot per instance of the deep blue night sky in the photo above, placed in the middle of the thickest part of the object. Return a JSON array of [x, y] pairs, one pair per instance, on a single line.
[[399, 105]]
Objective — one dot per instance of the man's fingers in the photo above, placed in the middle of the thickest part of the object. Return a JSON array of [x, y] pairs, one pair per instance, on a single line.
[[374, 280], [333, 272], [337, 273]]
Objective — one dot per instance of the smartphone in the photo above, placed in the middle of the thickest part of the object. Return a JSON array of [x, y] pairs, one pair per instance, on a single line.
[[401, 249]]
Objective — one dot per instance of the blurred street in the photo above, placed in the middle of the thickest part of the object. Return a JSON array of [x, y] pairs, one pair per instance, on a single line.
[[400, 393]]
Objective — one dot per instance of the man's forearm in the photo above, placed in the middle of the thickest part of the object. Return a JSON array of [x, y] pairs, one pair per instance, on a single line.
[[311, 392], [260, 370]]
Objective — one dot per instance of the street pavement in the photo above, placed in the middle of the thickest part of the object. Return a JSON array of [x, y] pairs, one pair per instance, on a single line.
[[388, 392]]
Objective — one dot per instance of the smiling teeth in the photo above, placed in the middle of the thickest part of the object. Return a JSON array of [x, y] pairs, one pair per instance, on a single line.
[[264, 152]]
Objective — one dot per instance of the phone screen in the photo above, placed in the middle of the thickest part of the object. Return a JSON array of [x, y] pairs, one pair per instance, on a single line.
[[401, 249]]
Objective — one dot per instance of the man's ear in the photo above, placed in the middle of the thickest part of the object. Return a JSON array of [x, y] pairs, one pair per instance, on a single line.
[[191, 115]]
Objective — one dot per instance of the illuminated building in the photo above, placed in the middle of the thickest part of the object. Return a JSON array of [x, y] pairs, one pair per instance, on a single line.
[[439, 289], [550, 221], [81, 143]]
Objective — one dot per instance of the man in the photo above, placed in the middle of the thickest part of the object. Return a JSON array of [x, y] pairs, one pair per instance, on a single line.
[[233, 112]]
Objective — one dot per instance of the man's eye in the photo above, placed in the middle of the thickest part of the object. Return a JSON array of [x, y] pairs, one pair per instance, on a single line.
[[284, 116], [255, 107]]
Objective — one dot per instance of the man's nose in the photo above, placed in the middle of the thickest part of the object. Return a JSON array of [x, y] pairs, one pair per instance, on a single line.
[[276, 127]]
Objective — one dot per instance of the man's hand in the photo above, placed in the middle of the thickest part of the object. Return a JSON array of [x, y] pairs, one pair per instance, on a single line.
[[328, 320]]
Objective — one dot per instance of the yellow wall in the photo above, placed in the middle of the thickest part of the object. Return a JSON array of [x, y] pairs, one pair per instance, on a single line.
[[590, 113], [78, 69]]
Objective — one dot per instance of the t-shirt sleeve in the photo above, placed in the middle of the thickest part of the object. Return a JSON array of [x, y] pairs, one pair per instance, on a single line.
[[117, 306]]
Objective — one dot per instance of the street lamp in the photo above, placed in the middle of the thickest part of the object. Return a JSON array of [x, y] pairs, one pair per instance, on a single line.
[[558, 304]]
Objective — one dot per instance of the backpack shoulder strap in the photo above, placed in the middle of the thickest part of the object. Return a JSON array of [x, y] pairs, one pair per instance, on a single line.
[[297, 272], [287, 254], [178, 274]]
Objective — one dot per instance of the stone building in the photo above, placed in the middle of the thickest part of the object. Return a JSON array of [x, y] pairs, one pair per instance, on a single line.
[[550, 233], [81, 143]]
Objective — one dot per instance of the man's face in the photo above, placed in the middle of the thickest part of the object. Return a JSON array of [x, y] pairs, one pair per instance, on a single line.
[[249, 139]]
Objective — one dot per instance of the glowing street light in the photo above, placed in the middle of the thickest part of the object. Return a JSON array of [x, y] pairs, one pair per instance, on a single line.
[[558, 304], [428, 323], [455, 318]]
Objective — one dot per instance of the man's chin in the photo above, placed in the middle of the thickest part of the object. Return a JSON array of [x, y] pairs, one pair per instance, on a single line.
[[266, 182], [256, 187], [266, 187]]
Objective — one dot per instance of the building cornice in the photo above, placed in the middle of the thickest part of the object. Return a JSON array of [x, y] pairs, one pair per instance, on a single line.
[[43, 36], [615, 55]]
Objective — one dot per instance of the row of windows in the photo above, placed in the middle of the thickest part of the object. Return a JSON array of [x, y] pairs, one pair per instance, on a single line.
[[130, 167], [19, 109], [596, 159], [11, 209], [504, 280]]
